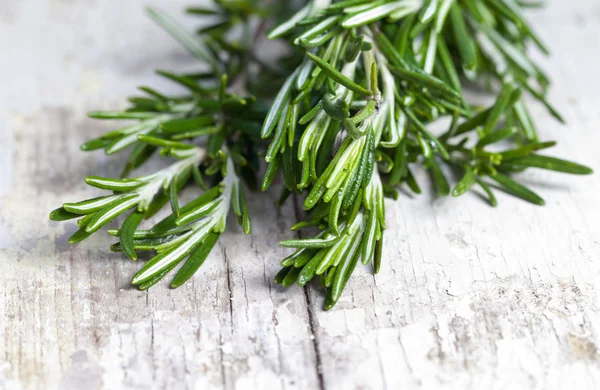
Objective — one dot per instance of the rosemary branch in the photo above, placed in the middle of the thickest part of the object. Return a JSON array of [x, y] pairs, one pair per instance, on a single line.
[[346, 116]]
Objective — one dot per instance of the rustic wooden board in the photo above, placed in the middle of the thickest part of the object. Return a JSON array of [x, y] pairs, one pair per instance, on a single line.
[[468, 296]]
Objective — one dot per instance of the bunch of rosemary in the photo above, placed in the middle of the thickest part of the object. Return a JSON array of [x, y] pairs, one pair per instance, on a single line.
[[348, 119]]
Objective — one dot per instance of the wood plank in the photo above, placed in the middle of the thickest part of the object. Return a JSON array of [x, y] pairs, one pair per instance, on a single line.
[[468, 296], [475, 297], [70, 318]]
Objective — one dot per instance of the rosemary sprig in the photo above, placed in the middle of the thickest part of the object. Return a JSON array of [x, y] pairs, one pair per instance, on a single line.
[[347, 115], [224, 126], [384, 72], [190, 232], [139, 194]]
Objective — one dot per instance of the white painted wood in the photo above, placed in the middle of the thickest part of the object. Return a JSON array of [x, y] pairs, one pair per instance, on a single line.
[[468, 297]]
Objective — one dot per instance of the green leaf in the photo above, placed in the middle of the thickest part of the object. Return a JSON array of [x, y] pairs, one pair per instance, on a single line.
[[312, 243], [169, 222], [441, 183], [289, 166], [195, 261], [496, 136], [291, 277], [301, 253], [197, 213], [486, 188], [270, 173], [317, 29], [320, 187], [280, 134], [112, 211], [375, 13], [465, 183], [553, 111], [197, 133], [83, 222], [463, 39], [237, 199], [353, 48], [369, 241], [140, 153], [523, 118], [342, 274], [347, 3], [95, 144], [162, 198], [365, 113], [526, 150], [290, 23], [128, 136], [165, 143], [194, 45], [282, 274], [121, 115], [281, 100], [552, 164], [378, 255], [168, 258], [447, 62], [338, 77], [309, 270], [508, 96], [187, 124], [127, 231], [516, 189], [337, 110], [173, 198], [246, 226], [79, 236], [512, 53], [155, 94], [201, 11], [428, 12], [309, 116], [156, 278], [91, 205], [410, 73], [420, 127], [184, 81], [118, 185], [412, 182], [334, 212], [60, 214], [145, 244], [474, 122]]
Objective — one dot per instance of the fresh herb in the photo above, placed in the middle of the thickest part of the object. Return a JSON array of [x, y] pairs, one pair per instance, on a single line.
[[348, 121]]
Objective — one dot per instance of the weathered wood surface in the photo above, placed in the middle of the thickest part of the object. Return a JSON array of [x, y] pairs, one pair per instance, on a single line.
[[468, 297]]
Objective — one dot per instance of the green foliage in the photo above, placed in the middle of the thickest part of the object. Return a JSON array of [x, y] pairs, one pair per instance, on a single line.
[[346, 117]]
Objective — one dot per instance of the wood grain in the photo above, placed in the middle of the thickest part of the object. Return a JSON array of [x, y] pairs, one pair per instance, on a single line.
[[469, 297]]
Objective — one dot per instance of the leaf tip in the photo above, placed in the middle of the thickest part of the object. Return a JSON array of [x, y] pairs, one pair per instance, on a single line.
[[152, 12], [136, 279]]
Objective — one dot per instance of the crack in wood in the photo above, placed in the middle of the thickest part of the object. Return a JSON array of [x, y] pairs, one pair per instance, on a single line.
[[229, 290], [298, 212], [315, 339]]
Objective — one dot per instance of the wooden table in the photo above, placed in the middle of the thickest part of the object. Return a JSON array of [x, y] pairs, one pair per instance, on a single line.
[[469, 297]]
